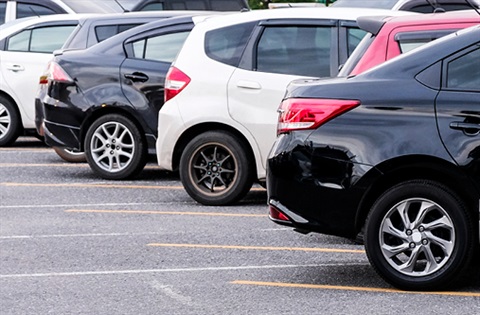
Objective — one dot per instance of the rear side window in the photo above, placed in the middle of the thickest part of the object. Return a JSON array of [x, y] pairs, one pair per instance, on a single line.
[[106, 31], [410, 40], [153, 7], [426, 8], [41, 40], [463, 73], [354, 37], [163, 48], [226, 45], [25, 10], [296, 50]]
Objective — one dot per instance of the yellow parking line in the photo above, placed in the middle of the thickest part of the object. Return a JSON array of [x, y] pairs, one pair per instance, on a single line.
[[100, 186], [352, 288], [167, 212], [90, 186], [42, 165], [270, 248]]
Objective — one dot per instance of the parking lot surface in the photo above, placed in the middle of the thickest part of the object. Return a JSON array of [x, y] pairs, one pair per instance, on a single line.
[[72, 243]]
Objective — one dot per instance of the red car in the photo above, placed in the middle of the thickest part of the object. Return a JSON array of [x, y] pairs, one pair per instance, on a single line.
[[392, 36]]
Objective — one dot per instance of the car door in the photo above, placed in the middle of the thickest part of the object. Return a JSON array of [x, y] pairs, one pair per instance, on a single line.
[[25, 58], [458, 109], [279, 52], [144, 70]]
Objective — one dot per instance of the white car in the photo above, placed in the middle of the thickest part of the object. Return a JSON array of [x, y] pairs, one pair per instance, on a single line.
[[224, 88], [26, 46]]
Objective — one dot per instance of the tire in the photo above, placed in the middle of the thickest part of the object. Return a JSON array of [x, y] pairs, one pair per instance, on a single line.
[[10, 122], [115, 147], [419, 236], [70, 155], [215, 168]]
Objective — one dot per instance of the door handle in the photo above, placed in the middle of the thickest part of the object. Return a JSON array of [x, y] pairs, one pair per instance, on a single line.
[[15, 68], [251, 85], [137, 77], [469, 128]]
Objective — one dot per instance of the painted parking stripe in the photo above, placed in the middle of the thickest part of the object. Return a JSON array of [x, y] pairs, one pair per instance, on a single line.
[[266, 248], [100, 186], [352, 288], [220, 214], [64, 164], [140, 271]]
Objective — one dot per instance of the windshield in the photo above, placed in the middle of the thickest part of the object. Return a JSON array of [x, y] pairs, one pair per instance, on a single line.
[[357, 54], [102, 6], [381, 4]]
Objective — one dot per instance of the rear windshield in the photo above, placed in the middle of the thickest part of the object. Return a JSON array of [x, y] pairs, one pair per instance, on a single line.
[[356, 56], [381, 4]]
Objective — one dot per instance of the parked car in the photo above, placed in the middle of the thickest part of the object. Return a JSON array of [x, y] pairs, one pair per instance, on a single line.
[[105, 100], [394, 149], [15, 9], [420, 6], [390, 36], [225, 85], [26, 46], [90, 31]]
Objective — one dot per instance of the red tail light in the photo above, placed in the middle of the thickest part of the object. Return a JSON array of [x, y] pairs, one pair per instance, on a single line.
[[55, 73], [299, 113], [175, 82], [277, 215]]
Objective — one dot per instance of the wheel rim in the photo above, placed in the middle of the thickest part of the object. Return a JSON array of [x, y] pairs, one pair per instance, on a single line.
[[213, 169], [112, 147], [5, 121], [417, 237]]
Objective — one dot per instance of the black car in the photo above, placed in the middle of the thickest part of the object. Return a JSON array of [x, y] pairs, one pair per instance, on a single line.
[[394, 151], [105, 100], [90, 31]]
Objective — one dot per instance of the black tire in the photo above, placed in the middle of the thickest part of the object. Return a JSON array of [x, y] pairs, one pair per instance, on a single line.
[[417, 254], [115, 148], [215, 168], [10, 122], [70, 155]]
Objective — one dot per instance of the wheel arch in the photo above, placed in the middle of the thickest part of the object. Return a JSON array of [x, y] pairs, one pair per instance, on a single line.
[[417, 167], [102, 111], [193, 131]]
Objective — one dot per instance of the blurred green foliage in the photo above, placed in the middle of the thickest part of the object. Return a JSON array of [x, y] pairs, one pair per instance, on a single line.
[[263, 4]]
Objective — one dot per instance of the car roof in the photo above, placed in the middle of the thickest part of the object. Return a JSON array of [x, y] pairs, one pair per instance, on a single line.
[[23, 23], [330, 13], [141, 14], [373, 24]]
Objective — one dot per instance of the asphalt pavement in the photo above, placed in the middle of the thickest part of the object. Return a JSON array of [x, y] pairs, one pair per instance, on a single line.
[[73, 243]]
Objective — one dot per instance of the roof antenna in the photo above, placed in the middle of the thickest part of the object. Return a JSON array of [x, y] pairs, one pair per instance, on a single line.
[[121, 6], [473, 6]]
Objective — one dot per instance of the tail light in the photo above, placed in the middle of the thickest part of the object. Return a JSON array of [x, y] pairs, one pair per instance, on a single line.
[[275, 214], [305, 113], [55, 73], [175, 82]]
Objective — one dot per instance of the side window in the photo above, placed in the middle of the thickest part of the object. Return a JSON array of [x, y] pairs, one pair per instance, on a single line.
[[162, 48], [296, 50], [226, 45], [106, 31], [354, 36], [42, 39], [463, 73], [410, 40], [24, 10], [3, 8]]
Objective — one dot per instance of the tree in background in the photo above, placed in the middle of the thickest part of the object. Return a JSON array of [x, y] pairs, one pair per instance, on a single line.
[[263, 4]]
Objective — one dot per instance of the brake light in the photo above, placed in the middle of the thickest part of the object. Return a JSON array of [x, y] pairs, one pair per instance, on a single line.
[[275, 214], [304, 113], [55, 73], [175, 82]]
